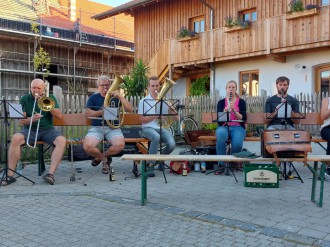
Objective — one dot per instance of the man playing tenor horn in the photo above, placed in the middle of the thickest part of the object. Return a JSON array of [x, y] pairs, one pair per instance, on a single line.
[[100, 130], [150, 124]]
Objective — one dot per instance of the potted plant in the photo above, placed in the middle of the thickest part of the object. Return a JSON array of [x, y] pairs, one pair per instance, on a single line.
[[185, 33], [297, 10], [232, 24]]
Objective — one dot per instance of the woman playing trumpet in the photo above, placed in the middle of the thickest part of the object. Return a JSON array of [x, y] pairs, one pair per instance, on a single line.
[[46, 132]]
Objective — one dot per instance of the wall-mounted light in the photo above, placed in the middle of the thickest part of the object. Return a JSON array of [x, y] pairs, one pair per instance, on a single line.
[[300, 67]]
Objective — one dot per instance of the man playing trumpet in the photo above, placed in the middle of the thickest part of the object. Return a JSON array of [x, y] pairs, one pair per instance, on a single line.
[[100, 130], [40, 123]]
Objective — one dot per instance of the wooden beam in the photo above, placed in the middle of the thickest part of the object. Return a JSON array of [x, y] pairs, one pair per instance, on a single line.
[[277, 58]]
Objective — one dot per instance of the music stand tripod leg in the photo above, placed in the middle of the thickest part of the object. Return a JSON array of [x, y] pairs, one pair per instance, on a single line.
[[6, 117]]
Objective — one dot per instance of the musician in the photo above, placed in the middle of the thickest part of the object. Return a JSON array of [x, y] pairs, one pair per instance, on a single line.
[[281, 107], [46, 133], [325, 127], [100, 130], [231, 130], [150, 124]]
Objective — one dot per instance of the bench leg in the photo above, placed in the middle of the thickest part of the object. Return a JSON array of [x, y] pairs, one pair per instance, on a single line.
[[316, 177], [143, 184], [320, 202]]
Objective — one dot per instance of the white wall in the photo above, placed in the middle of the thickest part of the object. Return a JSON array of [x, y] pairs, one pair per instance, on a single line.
[[179, 89], [301, 80]]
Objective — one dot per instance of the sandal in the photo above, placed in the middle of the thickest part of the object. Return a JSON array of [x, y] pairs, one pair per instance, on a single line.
[[105, 168], [49, 178], [9, 180], [95, 162]]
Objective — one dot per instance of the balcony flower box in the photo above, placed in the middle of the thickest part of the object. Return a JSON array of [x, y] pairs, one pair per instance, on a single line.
[[188, 38], [236, 28], [302, 14]]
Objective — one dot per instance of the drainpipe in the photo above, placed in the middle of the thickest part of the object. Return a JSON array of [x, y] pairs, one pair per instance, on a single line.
[[212, 43], [0, 76]]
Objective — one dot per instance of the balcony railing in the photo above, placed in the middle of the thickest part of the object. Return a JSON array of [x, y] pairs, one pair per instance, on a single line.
[[275, 35]]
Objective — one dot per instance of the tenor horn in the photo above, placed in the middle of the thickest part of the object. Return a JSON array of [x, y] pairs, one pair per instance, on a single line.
[[166, 121], [165, 88], [108, 102]]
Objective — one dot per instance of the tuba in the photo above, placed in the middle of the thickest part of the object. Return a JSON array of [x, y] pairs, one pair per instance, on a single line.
[[115, 85], [166, 121]]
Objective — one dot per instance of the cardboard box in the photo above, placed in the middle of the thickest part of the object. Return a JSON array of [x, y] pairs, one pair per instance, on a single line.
[[261, 175]]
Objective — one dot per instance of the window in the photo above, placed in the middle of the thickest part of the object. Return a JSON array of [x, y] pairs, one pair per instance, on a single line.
[[322, 78], [249, 83], [198, 24], [249, 15], [325, 2]]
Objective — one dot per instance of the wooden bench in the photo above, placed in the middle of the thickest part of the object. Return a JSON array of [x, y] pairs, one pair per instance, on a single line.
[[318, 173], [79, 119], [259, 118]]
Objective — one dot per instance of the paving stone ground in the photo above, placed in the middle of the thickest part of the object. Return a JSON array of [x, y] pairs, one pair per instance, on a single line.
[[197, 210]]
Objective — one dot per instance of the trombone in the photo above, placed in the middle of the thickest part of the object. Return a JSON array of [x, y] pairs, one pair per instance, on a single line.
[[45, 103]]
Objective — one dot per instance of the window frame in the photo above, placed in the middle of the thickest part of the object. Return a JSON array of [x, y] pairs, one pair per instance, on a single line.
[[250, 72], [195, 19]]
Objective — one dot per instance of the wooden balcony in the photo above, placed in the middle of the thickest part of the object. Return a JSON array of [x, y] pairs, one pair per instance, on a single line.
[[274, 37]]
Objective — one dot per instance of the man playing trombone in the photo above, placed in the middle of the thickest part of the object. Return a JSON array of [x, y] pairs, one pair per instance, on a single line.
[[37, 122]]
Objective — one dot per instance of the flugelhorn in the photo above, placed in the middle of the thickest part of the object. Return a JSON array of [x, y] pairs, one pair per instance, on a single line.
[[45, 103], [115, 85]]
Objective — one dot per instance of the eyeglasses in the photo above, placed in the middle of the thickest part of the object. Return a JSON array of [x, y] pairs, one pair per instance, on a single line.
[[104, 85]]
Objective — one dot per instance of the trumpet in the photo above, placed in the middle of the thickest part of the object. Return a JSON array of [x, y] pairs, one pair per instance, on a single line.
[[45, 103]]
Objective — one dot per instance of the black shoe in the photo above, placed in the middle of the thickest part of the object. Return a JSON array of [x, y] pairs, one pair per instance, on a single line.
[[220, 170], [161, 167], [135, 170], [327, 171], [151, 172]]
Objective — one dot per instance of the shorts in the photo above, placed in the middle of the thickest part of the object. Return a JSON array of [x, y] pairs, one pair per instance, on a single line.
[[45, 135], [99, 132]]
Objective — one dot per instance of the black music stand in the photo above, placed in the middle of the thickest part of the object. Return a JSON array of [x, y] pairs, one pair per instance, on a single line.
[[154, 105], [11, 111], [227, 168], [283, 111]]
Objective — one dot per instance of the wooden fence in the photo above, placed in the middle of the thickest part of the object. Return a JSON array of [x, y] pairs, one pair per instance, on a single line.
[[194, 106]]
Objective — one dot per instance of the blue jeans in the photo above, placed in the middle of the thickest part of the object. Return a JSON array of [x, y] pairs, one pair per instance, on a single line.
[[154, 136], [237, 135]]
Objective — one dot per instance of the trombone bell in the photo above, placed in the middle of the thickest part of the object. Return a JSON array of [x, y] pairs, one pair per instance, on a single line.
[[46, 104]]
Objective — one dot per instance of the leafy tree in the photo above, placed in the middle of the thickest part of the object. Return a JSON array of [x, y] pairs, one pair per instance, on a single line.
[[200, 86], [136, 83]]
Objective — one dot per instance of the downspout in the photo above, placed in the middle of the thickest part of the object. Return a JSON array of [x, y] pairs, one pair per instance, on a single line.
[[212, 43]]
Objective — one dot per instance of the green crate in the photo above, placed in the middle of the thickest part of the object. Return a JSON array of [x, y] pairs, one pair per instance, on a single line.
[[261, 175]]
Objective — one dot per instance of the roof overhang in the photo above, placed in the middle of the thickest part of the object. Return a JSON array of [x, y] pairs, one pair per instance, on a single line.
[[127, 8]]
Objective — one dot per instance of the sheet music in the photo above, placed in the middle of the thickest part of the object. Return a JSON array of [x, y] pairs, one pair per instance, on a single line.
[[15, 110], [110, 113], [222, 116], [281, 111]]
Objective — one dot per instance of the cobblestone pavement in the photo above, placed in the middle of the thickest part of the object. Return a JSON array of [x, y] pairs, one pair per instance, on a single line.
[[196, 210]]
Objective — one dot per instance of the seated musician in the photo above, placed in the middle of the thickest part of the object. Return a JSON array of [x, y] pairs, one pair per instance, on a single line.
[[233, 131], [100, 130], [325, 127], [46, 132], [281, 107], [150, 124]]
